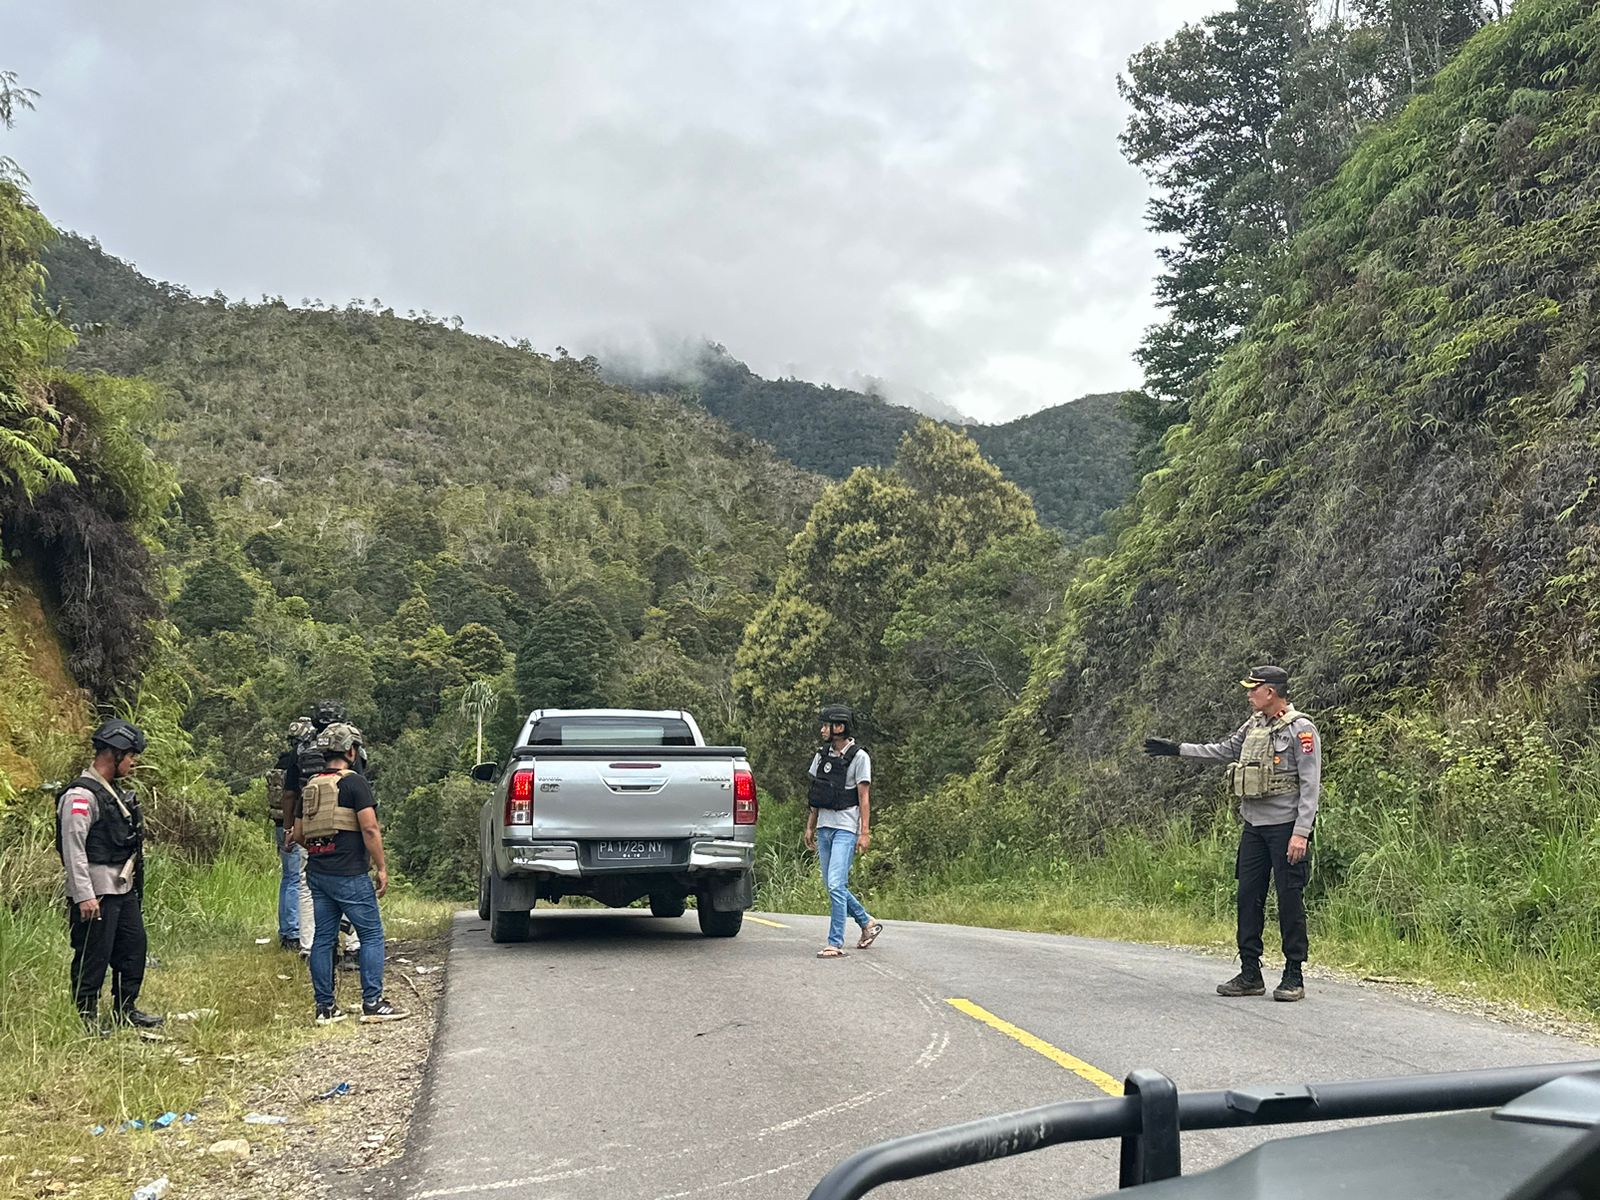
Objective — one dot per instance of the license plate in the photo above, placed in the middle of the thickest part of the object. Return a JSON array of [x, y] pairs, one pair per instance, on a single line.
[[630, 850]]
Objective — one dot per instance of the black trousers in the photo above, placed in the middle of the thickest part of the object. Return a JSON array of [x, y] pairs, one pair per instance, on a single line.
[[116, 941], [1264, 857]]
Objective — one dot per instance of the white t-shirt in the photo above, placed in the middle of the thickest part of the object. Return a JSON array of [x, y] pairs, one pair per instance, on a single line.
[[860, 772]]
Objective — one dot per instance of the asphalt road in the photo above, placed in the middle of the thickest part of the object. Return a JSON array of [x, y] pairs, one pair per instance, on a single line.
[[624, 1056]]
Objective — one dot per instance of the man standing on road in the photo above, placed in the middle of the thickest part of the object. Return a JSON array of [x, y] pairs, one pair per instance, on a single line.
[[100, 838], [337, 823], [839, 823], [1274, 763], [282, 791]]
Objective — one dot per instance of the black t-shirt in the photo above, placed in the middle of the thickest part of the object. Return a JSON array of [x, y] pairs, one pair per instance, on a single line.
[[289, 764], [349, 853]]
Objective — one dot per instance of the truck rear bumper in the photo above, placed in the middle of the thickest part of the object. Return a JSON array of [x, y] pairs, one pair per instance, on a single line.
[[564, 858]]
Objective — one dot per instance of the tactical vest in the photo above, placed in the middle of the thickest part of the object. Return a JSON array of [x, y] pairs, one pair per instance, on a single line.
[[117, 833], [321, 814], [1261, 771], [829, 789], [275, 794]]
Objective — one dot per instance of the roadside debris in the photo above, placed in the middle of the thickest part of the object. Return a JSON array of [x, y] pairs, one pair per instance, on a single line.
[[195, 1014], [234, 1148], [165, 1121], [264, 1119], [153, 1190], [338, 1089]]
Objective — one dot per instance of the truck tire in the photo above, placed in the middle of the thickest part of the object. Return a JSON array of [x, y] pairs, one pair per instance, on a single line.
[[665, 905], [483, 892], [719, 924], [506, 925]]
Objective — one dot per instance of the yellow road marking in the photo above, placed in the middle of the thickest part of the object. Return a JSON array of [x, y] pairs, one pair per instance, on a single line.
[[1038, 1045], [764, 921]]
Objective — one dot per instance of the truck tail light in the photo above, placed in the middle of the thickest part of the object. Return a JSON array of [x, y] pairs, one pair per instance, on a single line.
[[745, 805], [519, 797]]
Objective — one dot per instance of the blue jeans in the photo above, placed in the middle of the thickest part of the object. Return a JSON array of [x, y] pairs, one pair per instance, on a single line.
[[835, 849], [288, 889], [353, 896]]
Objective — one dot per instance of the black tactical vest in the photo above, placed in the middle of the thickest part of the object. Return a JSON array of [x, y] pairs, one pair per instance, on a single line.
[[113, 838], [828, 789]]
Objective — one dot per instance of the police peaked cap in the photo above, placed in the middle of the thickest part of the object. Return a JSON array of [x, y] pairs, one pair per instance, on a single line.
[[1275, 677]]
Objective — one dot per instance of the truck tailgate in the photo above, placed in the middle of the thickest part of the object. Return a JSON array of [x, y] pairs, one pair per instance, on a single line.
[[631, 794]]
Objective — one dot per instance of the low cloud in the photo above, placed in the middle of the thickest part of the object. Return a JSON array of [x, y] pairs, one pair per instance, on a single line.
[[926, 193]]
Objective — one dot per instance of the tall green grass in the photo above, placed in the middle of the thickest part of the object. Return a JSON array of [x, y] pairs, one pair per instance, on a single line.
[[57, 1082]]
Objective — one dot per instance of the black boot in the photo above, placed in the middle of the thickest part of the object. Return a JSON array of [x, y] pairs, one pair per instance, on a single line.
[[1293, 986], [1247, 982], [139, 1020]]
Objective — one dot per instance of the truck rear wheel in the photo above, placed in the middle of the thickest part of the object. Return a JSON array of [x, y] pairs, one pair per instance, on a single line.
[[663, 905], [506, 925], [719, 924]]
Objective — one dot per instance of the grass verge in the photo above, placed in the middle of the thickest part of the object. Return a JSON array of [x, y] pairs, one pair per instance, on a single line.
[[1449, 930], [57, 1084]]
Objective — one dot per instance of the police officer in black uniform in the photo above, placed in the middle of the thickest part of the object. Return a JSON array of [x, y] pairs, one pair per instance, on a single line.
[[100, 838]]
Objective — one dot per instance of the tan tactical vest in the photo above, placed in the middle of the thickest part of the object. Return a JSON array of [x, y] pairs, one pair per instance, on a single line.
[[321, 815], [1261, 771], [275, 795]]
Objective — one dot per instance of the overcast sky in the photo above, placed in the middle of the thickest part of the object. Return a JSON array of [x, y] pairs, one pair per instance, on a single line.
[[925, 191]]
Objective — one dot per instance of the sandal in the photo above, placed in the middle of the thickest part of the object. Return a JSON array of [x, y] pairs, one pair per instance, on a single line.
[[869, 934], [831, 952]]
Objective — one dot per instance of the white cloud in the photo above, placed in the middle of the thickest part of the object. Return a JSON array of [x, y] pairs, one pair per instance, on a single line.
[[924, 191]]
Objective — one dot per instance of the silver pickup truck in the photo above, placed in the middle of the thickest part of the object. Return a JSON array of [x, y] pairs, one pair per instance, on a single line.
[[617, 805]]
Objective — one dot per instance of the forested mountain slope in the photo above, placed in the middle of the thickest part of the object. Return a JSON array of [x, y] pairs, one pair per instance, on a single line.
[[1390, 483], [390, 511], [1075, 460]]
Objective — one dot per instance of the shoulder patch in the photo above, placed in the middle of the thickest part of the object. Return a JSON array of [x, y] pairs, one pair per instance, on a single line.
[[1308, 741]]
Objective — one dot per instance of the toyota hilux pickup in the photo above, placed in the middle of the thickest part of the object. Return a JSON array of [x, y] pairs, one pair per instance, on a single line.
[[618, 805]]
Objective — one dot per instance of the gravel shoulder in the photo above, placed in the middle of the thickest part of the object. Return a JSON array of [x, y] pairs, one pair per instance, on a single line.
[[330, 1149]]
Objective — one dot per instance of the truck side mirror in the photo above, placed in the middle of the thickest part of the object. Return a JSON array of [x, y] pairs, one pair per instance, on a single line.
[[484, 772]]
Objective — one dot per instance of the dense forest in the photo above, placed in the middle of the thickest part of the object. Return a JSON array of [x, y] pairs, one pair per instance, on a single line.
[[428, 525], [1077, 460]]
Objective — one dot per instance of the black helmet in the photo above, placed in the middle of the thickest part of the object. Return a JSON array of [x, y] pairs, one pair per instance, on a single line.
[[326, 712], [839, 714], [119, 736]]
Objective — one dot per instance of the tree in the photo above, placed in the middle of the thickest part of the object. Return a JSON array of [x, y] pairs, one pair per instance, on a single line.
[[565, 660], [866, 544], [478, 701], [479, 650], [671, 565], [409, 523], [1237, 120], [215, 596], [1204, 104], [13, 99]]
